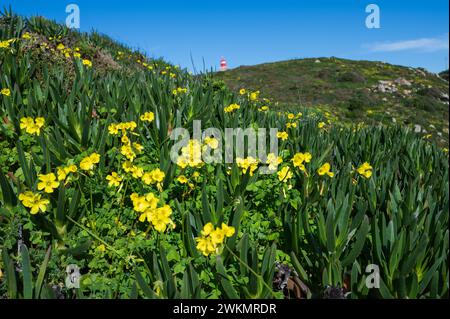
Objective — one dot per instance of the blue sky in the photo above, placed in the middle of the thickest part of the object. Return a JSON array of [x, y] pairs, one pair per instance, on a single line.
[[413, 33]]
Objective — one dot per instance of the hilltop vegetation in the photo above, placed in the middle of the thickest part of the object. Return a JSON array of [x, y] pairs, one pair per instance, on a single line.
[[87, 180], [353, 91]]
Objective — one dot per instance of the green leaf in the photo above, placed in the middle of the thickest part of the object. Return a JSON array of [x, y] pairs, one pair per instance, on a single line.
[[9, 198], [27, 273], [41, 275], [228, 288], [148, 292], [359, 243], [11, 284]]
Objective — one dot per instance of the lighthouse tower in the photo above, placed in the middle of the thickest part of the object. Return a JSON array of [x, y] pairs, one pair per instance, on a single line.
[[223, 64]]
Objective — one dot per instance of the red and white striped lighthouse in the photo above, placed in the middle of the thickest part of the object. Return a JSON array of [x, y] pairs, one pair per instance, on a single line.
[[223, 64]]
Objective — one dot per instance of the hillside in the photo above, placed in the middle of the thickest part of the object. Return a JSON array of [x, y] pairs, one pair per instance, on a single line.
[[353, 91], [93, 185]]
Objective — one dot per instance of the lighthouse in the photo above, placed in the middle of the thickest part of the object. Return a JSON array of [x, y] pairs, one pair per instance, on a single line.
[[223, 64]]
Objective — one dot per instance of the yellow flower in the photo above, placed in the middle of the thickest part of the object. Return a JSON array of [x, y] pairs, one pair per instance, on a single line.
[[48, 182], [283, 135], [365, 170], [212, 238], [207, 229], [228, 231], [205, 245], [273, 161], [125, 139], [34, 201], [247, 164], [140, 204], [195, 175], [5, 92], [89, 162], [127, 151], [191, 155], [232, 107], [182, 179], [114, 179], [32, 126], [325, 169], [301, 158], [39, 121], [321, 125], [263, 108], [291, 116], [5, 44], [284, 174], [87, 62], [212, 142], [158, 175], [242, 91], [217, 236], [127, 166], [138, 147], [161, 218], [179, 91], [113, 129], [291, 125], [62, 172], [254, 96], [148, 117], [77, 55], [60, 47], [137, 172]]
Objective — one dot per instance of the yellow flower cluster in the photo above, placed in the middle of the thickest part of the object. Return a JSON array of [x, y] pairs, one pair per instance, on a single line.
[[26, 36], [191, 155], [62, 172], [291, 125], [283, 136], [123, 127], [135, 171], [6, 43], [68, 52], [148, 117], [89, 162], [365, 170], [273, 161], [147, 205], [34, 202], [263, 108], [285, 174], [325, 169], [87, 63], [249, 164], [300, 158], [211, 142], [232, 108], [32, 126], [254, 96], [212, 239], [153, 177], [113, 179], [179, 91]]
